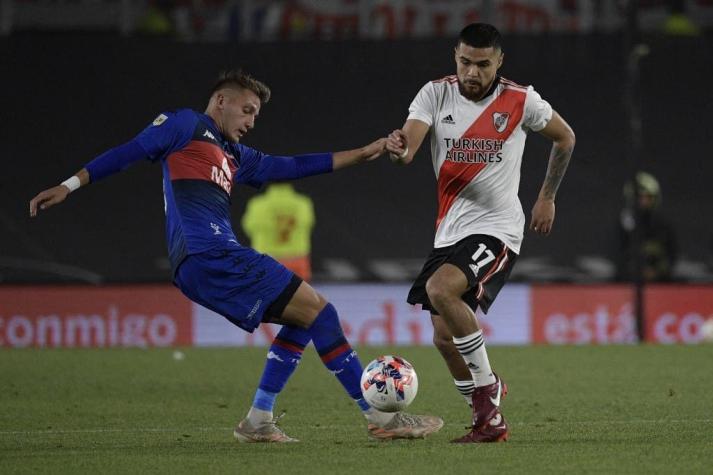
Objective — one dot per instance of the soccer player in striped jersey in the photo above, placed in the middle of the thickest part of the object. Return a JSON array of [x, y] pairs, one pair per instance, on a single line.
[[202, 159], [478, 122]]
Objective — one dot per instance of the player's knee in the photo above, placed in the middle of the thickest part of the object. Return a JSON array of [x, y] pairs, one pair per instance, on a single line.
[[314, 307], [304, 307], [320, 303], [438, 291], [309, 299]]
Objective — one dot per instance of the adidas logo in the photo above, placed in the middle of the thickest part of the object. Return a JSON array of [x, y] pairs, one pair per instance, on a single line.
[[448, 120]]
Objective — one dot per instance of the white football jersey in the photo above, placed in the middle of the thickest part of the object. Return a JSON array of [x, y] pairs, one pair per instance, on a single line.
[[477, 151]]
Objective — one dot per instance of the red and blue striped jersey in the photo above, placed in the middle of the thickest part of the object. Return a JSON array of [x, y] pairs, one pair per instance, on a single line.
[[200, 167]]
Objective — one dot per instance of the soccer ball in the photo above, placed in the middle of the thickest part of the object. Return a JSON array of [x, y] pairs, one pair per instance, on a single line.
[[389, 383]]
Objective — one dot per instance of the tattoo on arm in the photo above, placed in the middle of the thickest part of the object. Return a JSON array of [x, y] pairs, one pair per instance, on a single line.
[[559, 159]]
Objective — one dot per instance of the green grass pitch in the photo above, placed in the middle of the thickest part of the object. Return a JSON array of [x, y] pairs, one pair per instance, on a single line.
[[615, 409]]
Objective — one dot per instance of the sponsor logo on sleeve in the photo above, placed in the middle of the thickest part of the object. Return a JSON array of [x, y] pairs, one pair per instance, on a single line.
[[160, 119]]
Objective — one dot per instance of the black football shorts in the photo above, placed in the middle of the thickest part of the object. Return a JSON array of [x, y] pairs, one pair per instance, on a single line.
[[485, 261]]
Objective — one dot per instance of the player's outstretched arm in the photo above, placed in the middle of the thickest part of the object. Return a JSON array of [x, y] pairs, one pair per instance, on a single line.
[[57, 194], [364, 154], [562, 136], [110, 162], [402, 144], [270, 168]]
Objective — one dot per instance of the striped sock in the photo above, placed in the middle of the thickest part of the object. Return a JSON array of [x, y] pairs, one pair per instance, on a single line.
[[472, 348], [336, 353], [466, 388]]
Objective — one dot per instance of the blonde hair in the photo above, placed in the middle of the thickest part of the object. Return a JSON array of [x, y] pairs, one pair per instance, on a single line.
[[236, 78]]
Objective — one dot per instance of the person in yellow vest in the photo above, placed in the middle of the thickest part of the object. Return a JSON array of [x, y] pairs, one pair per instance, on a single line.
[[678, 22], [279, 223]]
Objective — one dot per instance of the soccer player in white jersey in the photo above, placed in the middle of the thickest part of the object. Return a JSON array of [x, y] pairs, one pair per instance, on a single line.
[[478, 122]]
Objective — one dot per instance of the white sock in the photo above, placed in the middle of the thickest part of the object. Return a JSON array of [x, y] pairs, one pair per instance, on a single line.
[[466, 388], [472, 348], [258, 417], [374, 416]]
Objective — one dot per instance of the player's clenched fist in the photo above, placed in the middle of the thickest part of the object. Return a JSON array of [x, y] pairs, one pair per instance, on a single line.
[[397, 144]]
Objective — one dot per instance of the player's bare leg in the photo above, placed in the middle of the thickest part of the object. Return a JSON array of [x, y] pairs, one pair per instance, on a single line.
[[445, 288]]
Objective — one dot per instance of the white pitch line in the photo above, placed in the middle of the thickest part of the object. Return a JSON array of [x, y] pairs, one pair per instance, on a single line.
[[620, 421], [224, 429], [100, 431]]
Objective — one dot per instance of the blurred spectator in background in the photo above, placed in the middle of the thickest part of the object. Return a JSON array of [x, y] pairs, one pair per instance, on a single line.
[[656, 250], [157, 18], [678, 23], [279, 223]]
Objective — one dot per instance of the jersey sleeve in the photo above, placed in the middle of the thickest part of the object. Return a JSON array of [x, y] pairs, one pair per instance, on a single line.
[[424, 105], [115, 160], [249, 161], [538, 111], [256, 168], [168, 131]]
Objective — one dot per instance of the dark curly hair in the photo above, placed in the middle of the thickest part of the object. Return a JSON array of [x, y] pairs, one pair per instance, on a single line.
[[480, 35]]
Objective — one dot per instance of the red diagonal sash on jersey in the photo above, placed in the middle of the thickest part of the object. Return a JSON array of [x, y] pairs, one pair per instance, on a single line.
[[454, 176]]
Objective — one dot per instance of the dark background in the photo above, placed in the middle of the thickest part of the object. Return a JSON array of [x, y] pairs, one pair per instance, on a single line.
[[66, 98]]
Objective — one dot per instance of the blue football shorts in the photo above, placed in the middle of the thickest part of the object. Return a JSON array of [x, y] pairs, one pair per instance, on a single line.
[[241, 284]]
